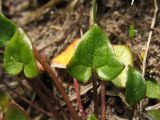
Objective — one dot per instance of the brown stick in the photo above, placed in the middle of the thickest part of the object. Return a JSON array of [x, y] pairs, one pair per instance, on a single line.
[[34, 15], [81, 109], [57, 83], [95, 98], [103, 101]]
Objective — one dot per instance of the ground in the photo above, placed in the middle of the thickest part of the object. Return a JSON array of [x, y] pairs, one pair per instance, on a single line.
[[60, 24]]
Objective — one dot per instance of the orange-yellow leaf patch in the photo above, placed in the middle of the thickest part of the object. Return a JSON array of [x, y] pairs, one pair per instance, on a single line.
[[64, 57]]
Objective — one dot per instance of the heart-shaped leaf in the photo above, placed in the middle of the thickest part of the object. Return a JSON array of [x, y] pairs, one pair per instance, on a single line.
[[15, 112], [135, 87], [94, 52], [153, 90], [18, 55], [18, 50], [124, 55], [91, 117]]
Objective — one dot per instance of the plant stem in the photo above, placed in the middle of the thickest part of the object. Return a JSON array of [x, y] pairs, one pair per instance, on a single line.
[[57, 82], [103, 101], [132, 114], [81, 109], [95, 98]]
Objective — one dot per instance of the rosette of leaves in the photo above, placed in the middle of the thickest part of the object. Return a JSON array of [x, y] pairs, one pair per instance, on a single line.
[[94, 53], [18, 54]]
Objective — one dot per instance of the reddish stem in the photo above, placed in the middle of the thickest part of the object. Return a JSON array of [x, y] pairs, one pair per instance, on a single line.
[[103, 102], [95, 96], [57, 82], [81, 109]]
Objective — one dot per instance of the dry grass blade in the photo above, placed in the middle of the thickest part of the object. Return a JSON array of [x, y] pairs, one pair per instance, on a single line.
[[40, 11], [149, 41]]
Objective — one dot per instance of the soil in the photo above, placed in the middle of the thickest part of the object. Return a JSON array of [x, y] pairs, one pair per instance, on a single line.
[[64, 22]]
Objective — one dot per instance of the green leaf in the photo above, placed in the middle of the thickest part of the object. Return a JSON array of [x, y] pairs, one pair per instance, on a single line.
[[132, 31], [15, 113], [154, 114], [135, 87], [18, 50], [7, 30], [153, 90], [91, 117], [4, 101], [18, 55], [94, 52], [125, 56]]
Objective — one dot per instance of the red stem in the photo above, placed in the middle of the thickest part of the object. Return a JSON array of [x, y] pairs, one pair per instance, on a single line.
[[103, 102], [81, 109], [57, 82], [95, 96]]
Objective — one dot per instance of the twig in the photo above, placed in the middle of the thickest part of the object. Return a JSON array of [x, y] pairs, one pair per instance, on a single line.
[[103, 101], [148, 42], [56, 81], [34, 15], [149, 37], [0, 6], [132, 113], [95, 98], [81, 109], [154, 107]]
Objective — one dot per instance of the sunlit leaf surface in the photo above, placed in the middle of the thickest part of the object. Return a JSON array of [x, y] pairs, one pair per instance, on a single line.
[[154, 114], [124, 55], [153, 90]]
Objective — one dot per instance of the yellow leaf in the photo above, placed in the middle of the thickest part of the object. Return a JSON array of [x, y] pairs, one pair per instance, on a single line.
[[64, 57]]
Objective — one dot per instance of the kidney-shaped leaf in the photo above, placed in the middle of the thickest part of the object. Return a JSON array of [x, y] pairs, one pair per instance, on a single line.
[[94, 52], [18, 49], [153, 90], [15, 112], [135, 87]]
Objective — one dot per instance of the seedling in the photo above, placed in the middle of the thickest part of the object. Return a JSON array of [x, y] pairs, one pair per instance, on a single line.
[[93, 57], [132, 31]]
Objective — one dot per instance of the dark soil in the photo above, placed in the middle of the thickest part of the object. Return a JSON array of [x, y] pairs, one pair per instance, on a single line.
[[60, 25]]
